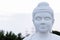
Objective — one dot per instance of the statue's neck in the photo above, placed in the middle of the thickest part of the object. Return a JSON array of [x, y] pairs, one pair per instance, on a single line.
[[43, 34]]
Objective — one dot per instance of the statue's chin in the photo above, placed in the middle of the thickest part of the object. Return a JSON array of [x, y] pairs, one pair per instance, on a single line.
[[43, 30]]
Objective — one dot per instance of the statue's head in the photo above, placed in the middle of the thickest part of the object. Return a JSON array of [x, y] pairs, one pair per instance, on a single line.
[[43, 17]]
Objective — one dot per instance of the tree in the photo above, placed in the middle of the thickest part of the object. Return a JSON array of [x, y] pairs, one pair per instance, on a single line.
[[56, 32]]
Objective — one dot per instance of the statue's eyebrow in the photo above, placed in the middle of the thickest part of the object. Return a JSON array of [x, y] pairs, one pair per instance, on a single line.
[[47, 17], [38, 17]]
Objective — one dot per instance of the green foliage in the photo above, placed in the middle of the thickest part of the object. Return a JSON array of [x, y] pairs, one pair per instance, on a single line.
[[10, 36], [2, 35], [56, 32]]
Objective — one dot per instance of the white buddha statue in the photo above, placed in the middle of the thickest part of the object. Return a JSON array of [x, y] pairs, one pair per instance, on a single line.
[[43, 20]]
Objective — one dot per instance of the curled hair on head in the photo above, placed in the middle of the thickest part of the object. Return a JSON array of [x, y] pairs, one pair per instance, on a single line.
[[43, 7]]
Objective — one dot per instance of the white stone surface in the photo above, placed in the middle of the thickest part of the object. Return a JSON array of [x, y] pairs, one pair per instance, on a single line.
[[43, 20]]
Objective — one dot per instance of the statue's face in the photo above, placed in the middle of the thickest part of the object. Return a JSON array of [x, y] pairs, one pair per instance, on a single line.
[[43, 21]]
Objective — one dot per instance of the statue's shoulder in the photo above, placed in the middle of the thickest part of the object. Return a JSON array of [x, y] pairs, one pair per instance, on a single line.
[[56, 37], [28, 38]]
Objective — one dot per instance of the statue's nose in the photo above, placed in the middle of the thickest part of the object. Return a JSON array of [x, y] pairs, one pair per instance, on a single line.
[[43, 22]]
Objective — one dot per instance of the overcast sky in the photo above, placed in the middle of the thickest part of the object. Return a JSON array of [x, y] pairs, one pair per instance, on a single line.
[[16, 15]]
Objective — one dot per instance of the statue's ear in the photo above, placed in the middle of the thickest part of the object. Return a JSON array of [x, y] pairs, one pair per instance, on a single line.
[[53, 21], [32, 20]]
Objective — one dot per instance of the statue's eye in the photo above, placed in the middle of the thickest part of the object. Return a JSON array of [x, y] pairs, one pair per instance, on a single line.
[[47, 18], [38, 18]]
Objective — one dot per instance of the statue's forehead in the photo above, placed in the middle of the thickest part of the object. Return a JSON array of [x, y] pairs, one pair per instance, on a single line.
[[43, 14]]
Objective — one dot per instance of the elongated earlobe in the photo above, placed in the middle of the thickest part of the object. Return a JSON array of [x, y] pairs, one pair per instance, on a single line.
[[53, 21], [33, 20]]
